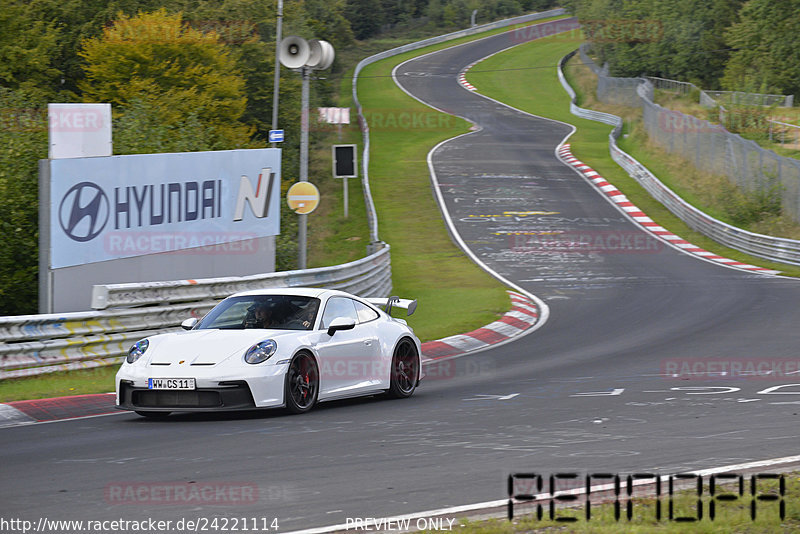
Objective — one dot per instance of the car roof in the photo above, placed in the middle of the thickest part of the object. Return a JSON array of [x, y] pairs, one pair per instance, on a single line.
[[318, 292]]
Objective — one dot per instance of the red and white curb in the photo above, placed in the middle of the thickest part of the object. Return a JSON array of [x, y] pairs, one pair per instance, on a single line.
[[639, 217], [56, 409], [523, 315], [462, 76]]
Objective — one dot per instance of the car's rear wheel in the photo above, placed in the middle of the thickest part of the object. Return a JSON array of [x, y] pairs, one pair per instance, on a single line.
[[405, 370], [153, 415], [302, 383]]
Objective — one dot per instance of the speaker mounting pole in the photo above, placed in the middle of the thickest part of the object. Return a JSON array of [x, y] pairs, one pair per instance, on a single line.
[[296, 53], [303, 222], [276, 85]]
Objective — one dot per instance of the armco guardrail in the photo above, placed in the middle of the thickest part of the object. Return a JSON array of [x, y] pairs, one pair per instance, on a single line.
[[767, 247], [371, 215], [369, 276], [38, 344]]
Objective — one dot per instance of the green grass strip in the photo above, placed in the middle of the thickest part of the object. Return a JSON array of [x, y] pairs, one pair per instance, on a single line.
[[59, 384], [536, 89]]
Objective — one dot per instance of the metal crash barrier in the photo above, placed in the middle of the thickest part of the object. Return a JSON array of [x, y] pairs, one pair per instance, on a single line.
[[124, 313], [771, 248]]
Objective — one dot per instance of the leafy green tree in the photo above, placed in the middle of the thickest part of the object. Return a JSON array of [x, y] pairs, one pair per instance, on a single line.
[[27, 50], [767, 55], [181, 71], [23, 141], [681, 39], [327, 21], [365, 16]]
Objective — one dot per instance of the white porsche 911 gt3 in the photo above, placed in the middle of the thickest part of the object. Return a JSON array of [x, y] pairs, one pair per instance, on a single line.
[[272, 348]]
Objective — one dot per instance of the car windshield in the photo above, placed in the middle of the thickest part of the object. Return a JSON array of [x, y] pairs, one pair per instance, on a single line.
[[282, 312]]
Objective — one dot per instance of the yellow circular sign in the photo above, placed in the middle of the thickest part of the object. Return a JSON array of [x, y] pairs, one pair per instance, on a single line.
[[303, 197]]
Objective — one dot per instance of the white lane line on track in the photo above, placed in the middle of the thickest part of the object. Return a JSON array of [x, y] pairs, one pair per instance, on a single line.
[[35, 422]]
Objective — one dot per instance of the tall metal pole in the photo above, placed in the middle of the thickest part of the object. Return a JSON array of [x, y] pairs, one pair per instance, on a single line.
[[301, 230], [276, 85]]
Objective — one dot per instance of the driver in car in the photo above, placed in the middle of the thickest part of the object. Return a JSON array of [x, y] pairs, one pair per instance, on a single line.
[[263, 316]]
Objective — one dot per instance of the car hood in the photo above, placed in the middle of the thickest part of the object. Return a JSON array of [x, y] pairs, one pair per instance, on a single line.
[[208, 347]]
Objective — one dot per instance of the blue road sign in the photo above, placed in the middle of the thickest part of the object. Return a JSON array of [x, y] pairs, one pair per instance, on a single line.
[[276, 136]]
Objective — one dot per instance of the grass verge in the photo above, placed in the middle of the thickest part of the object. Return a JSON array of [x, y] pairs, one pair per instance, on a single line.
[[536, 89], [60, 384]]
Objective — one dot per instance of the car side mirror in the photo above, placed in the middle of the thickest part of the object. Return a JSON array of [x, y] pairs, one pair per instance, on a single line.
[[189, 323], [341, 323]]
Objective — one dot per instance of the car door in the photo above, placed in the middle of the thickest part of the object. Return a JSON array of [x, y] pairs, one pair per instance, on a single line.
[[347, 358]]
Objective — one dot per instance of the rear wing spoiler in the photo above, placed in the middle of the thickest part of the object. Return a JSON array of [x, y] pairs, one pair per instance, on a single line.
[[389, 302]]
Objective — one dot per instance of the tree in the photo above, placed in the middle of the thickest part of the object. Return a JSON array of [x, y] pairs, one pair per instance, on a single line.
[[327, 21], [179, 71], [365, 16], [766, 56], [27, 50], [681, 39], [23, 141]]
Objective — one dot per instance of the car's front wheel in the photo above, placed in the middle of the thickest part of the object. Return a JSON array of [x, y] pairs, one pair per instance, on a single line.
[[302, 383], [405, 370]]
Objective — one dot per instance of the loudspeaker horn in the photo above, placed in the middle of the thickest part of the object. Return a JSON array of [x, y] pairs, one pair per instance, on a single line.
[[294, 52], [322, 54]]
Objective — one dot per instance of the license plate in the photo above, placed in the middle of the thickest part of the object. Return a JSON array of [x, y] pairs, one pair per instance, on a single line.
[[170, 383]]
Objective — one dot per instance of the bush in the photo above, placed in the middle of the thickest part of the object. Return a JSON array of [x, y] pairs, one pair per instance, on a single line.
[[23, 142], [746, 209]]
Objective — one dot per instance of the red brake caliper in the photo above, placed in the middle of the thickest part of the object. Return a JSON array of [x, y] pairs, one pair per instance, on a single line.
[[305, 377]]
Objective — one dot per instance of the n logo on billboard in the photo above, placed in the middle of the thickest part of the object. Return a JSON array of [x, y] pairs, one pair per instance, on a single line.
[[258, 199]]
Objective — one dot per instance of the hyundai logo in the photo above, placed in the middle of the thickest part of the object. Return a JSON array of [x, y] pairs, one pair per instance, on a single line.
[[84, 211]]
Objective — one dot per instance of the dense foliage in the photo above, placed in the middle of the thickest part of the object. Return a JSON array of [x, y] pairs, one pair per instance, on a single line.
[[730, 44]]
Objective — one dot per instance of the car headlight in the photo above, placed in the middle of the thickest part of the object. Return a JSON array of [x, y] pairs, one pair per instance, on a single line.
[[260, 352], [136, 351]]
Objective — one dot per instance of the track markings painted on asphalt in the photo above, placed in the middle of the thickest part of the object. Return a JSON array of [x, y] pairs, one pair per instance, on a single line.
[[493, 397], [779, 389], [612, 392]]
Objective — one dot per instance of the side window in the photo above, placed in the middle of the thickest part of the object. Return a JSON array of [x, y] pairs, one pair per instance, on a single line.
[[338, 307], [365, 313]]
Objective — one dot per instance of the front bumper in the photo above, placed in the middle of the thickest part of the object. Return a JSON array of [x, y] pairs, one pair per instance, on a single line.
[[245, 388], [234, 395]]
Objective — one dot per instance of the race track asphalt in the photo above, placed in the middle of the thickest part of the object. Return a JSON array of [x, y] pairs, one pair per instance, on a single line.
[[590, 391]]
